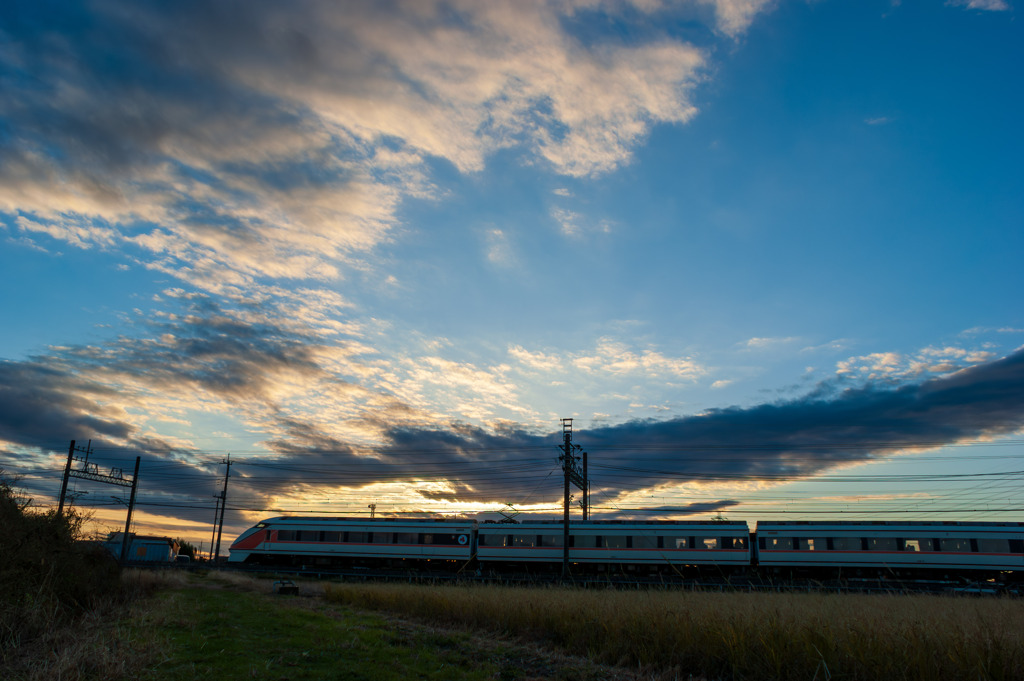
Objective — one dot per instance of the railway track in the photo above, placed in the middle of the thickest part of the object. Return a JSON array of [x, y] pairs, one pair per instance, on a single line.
[[743, 583]]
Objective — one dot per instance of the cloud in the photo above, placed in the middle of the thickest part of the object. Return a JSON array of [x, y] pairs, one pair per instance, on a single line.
[[294, 393], [610, 357], [987, 5], [768, 343], [774, 441], [617, 358], [734, 16], [537, 361], [500, 251], [229, 143], [897, 367]]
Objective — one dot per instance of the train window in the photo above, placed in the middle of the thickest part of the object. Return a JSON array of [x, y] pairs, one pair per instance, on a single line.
[[1017, 546], [356, 537], [615, 541], [739, 542], [524, 540], [882, 544], [406, 538], [551, 539], [380, 537], [846, 543], [645, 542], [584, 541], [912, 545], [442, 539], [308, 535], [677, 542], [994, 545], [286, 535], [332, 537], [955, 545], [778, 543], [708, 543], [495, 540], [809, 544]]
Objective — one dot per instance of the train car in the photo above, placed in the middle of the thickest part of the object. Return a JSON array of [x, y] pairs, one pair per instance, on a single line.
[[340, 542], [650, 546], [892, 548]]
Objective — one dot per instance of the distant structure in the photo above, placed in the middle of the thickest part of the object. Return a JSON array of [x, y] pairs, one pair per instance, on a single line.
[[142, 548]]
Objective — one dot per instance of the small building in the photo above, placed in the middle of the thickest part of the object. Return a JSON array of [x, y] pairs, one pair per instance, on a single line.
[[143, 548]]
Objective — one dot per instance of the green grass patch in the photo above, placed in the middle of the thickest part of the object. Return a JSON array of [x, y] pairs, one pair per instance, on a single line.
[[198, 632]]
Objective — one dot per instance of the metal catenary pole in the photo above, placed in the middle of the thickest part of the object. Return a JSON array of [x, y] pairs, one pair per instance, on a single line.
[[567, 468], [67, 474], [223, 508], [131, 506]]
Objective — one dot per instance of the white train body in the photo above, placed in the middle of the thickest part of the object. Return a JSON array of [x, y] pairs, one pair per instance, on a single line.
[[956, 546], [972, 549], [612, 542], [324, 540]]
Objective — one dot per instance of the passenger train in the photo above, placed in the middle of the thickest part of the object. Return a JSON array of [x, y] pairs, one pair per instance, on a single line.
[[974, 550]]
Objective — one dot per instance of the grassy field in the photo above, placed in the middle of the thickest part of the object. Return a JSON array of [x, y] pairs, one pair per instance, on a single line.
[[246, 632], [217, 626], [760, 636], [224, 627]]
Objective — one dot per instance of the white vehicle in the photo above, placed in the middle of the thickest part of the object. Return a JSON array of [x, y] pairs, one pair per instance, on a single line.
[[607, 545], [353, 541], [887, 546]]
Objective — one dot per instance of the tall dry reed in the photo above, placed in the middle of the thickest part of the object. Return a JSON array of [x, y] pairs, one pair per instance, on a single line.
[[736, 635]]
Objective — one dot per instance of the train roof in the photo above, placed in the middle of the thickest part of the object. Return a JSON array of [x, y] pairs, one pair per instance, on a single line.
[[340, 519], [884, 523], [601, 523]]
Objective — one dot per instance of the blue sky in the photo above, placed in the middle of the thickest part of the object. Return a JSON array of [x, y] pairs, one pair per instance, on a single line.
[[766, 255]]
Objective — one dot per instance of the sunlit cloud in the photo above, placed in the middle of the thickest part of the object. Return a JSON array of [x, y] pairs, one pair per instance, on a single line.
[[290, 158], [897, 366]]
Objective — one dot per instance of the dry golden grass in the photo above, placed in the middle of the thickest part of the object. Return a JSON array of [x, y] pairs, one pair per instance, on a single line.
[[736, 635], [95, 645]]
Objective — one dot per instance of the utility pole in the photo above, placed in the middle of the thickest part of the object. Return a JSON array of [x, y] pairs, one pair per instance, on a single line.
[[216, 517], [223, 505], [131, 506], [566, 469], [572, 476], [586, 489], [67, 474]]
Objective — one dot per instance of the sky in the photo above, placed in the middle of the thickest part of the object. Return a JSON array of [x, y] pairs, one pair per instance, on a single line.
[[765, 254]]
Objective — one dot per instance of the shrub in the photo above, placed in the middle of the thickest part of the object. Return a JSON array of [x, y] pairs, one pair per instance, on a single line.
[[47, 574]]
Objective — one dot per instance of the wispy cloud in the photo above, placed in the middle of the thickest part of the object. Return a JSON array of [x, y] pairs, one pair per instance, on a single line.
[[769, 343], [987, 5]]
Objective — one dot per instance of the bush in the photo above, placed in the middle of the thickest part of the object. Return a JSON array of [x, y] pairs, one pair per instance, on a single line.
[[47, 575]]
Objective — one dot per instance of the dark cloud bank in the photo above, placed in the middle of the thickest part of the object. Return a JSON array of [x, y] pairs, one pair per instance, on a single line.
[[41, 404], [786, 439]]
